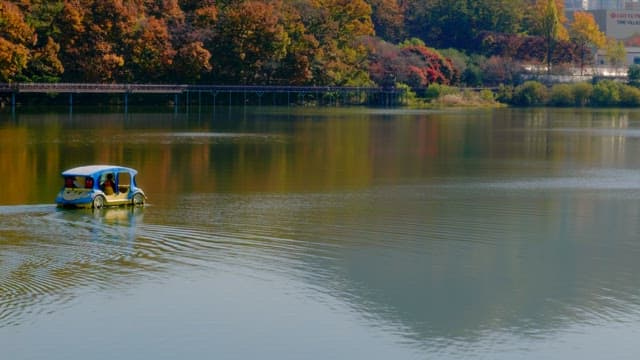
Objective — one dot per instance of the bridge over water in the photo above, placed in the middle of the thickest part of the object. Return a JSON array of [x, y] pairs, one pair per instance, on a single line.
[[218, 94]]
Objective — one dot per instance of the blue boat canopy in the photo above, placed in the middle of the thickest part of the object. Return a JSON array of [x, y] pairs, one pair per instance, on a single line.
[[93, 169]]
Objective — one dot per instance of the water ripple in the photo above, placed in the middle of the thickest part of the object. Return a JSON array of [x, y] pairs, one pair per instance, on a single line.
[[48, 255]]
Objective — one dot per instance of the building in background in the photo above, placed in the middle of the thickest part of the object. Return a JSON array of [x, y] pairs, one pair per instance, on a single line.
[[572, 5], [617, 19]]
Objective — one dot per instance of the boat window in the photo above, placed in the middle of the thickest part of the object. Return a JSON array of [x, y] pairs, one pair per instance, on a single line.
[[79, 182], [124, 181], [69, 181]]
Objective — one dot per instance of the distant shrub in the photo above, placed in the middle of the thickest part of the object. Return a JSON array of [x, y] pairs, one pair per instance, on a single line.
[[435, 91], [629, 96], [487, 95], [562, 95], [531, 93], [606, 93], [504, 94], [582, 93], [410, 98]]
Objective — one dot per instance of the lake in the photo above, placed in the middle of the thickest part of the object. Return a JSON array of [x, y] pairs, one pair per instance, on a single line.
[[325, 233]]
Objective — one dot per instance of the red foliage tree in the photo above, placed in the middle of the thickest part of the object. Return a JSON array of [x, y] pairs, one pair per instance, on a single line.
[[412, 63]]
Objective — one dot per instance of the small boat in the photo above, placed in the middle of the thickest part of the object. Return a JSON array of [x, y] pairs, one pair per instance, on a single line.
[[97, 186]]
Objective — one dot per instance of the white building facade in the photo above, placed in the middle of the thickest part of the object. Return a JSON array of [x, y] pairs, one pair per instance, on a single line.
[[618, 19]]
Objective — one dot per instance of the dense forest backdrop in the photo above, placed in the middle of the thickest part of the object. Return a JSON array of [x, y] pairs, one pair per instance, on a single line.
[[286, 42]]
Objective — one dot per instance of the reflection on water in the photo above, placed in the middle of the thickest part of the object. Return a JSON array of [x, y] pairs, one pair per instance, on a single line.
[[380, 234]]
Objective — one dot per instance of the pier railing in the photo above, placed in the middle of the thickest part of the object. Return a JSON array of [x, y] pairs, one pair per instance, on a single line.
[[78, 88], [229, 94], [173, 89]]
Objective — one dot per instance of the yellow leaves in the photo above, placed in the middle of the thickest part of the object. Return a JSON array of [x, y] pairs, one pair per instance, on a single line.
[[15, 36], [12, 25], [113, 60], [548, 19], [352, 16], [206, 16], [72, 17], [585, 30], [13, 59], [45, 61], [192, 60], [615, 52]]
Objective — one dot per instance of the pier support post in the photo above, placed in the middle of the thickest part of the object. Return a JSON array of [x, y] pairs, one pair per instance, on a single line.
[[175, 104], [260, 93], [13, 104], [186, 103]]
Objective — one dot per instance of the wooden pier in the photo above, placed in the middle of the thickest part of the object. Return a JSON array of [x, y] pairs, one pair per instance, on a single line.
[[231, 95]]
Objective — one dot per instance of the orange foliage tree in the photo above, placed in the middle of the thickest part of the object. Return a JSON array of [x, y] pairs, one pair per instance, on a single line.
[[585, 33]]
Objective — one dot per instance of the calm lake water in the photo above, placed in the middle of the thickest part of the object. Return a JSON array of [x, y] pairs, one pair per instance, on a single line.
[[281, 233]]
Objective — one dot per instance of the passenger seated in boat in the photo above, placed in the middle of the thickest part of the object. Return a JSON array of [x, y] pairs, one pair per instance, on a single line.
[[108, 185]]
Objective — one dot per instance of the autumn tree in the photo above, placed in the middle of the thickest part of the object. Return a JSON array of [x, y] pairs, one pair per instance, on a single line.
[[584, 32], [411, 63], [44, 65], [192, 40], [16, 38], [250, 42], [339, 27], [147, 51], [547, 19], [70, 22], [388, 19], [94, 32], [192, 61], [297, 65]]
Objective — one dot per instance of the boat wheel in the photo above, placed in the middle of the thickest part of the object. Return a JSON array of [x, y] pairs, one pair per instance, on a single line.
[[98, 202], [138, 199]]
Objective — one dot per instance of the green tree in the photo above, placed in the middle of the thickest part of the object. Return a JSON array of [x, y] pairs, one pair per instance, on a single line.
[[550, 25], [458, 23], [500, 16], [440, 23], [616, 53], [546, 19], [634, 74]]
